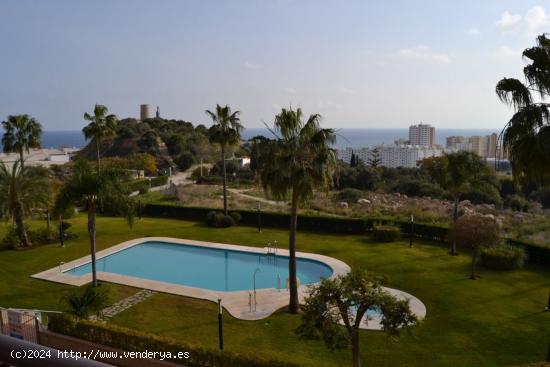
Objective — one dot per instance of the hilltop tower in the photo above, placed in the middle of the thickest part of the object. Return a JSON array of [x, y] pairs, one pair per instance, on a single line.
[[144, 112]]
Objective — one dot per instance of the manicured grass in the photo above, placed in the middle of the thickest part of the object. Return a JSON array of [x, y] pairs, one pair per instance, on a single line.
[[496, 320]]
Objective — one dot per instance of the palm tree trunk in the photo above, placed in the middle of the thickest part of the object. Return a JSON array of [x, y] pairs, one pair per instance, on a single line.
[[355, 348], [20, 226], [97, 144], [21, 157], [294, 303], [224, 181], [91, 234], [474, 262], [455, 218]]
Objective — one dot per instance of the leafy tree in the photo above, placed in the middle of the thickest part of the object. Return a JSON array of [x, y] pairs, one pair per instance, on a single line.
[[296, 163], [475, 232], [88, 186], [527, 135], [374, 160], [22, 189], [21, 133], [346, 300], [225, 131], [101, 126], [455, 175]]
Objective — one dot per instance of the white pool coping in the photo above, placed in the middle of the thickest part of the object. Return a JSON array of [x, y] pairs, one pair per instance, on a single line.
[[236, 303]]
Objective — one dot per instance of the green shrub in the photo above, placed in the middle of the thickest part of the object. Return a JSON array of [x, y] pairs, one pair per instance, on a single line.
[[44, 236], [517, 202], [219, 220], [11, 240], [349, 195], [386, 233], [236, 217], [135, 341], [503, 257], [85, 302]]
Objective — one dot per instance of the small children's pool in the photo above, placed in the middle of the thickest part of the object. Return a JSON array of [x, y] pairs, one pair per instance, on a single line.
[[205, 267]]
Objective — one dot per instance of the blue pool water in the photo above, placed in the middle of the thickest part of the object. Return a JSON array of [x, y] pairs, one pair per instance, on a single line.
[[204, 267]]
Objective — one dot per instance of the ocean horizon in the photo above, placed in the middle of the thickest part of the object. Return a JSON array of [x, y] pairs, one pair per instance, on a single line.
[[345, 137]]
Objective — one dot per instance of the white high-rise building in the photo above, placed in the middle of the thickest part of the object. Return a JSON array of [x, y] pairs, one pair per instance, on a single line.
[[392, 156], [422, 135]]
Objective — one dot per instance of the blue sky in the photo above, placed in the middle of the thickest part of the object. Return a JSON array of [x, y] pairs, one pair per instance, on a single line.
[[358, 63]]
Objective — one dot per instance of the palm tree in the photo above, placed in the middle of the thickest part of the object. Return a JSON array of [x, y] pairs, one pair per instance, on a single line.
[[21, 190], [296, 163], [225, 131], [101, 126], [89, 187], [527, 135], [21, 132]]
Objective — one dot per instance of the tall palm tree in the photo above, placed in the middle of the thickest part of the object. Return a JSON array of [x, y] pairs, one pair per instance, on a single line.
[[527, 135], [88, 186], [101, 126], [225, 131], [296, 163], [21, 190], [21, 132]]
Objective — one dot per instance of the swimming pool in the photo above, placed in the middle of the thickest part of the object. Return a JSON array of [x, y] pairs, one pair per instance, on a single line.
[[210, 268]]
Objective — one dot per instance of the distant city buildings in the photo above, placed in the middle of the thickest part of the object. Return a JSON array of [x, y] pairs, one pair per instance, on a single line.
[[392, 156], [422, 135], [484, 146], [421, 145]]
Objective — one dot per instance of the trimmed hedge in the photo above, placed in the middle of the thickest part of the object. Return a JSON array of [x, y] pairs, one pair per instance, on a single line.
[[538, 254], [503, 257], [386, 233], [135, 341]]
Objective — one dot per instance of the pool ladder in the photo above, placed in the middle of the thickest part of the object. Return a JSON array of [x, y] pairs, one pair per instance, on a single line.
[[272, 248]]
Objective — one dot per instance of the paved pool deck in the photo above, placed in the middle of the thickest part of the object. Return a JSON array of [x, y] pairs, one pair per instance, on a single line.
[[237, 303]]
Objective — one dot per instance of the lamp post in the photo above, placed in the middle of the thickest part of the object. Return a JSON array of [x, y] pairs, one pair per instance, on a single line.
[[259, 217], [412, 231], [220, 323]]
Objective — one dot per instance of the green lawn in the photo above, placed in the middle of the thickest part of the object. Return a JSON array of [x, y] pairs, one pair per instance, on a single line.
[[494, 321]]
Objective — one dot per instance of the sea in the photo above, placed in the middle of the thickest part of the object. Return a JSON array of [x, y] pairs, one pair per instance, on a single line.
[[345, 137]]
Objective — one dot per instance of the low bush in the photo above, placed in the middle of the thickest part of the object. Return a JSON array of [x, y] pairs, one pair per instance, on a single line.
[[503, 257], [236, 217], [41, 236], [88, 301], [10, 240], [517, 202], [135, 341], [386, 233], [349, 195], [219, 220]]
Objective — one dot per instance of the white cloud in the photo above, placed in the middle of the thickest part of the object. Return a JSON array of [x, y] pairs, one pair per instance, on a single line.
[[344, 90], [505, 52], [423, 54], [537, 21], [251, 65], [474, 32], [329, 105], [290, 90], [509, 22]]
